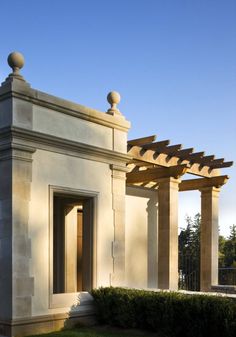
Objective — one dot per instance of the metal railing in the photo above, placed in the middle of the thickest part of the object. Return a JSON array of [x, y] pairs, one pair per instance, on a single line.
[[189, 281], [227, 276], [189, 275]]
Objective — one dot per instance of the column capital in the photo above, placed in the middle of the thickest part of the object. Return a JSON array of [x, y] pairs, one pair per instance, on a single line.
[[210, 190], [169, 182], [118, 172], [120, 168]]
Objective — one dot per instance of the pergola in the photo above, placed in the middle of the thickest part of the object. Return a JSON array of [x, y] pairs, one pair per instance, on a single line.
[[156, 165]]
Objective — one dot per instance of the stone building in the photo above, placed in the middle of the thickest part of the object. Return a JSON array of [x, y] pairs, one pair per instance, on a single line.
[[82, 208]]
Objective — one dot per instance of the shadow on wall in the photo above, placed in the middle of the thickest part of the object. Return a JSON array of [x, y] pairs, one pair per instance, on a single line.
[[82, 313]]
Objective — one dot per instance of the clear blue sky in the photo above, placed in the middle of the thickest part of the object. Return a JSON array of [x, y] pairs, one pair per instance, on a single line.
[[174, 63]]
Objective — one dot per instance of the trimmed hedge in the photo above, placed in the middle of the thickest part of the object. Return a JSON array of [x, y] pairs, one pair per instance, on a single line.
[[170, 314]]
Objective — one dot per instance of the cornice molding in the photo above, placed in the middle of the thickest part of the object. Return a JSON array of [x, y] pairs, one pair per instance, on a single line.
[[28, 140]]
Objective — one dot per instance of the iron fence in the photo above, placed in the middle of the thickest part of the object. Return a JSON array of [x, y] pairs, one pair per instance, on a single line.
[[189, 274], [227, 276]]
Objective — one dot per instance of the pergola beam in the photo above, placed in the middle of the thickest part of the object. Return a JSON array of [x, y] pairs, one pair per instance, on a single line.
[[197, 184], [153, 174]]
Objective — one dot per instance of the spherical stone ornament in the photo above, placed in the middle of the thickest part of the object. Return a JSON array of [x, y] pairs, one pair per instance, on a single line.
[[16, 61], [113, 98]]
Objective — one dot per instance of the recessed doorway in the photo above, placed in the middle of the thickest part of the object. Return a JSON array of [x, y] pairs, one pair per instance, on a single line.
[[72, 243]]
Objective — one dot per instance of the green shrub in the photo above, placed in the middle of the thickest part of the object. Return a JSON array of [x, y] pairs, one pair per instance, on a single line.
[[170, 314]]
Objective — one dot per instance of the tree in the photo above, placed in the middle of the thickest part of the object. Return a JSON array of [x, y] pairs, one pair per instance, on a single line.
[[189, 254], [222, 242], [229, 248], [227, 258]]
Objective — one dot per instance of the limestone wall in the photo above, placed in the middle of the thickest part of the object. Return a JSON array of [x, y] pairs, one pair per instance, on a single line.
[[76, 174], [69, 127]]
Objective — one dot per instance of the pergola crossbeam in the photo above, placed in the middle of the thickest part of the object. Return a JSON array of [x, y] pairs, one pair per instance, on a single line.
[[153, 174], [197, 184]]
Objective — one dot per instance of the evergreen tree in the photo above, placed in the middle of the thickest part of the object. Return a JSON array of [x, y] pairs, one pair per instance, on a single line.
[[222, 242], [189, 254], [229, 249]]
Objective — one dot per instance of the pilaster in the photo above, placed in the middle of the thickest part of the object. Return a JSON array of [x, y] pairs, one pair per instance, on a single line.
[[5, 239], [118, 206], [16, 285], [23, 285]]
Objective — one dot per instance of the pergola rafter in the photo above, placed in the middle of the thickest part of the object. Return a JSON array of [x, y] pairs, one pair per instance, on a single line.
[[183, 153], [194, 157], [221, 165], [207, 160], [157, 146], [146, 151], [142, 141]]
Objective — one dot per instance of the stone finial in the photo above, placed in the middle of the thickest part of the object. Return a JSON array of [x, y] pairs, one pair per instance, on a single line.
[[113, 98], [16, 62]]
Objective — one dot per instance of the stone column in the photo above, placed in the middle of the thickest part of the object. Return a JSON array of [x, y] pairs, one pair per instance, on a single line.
[[168, 233], [118, 205], [209, 238]]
